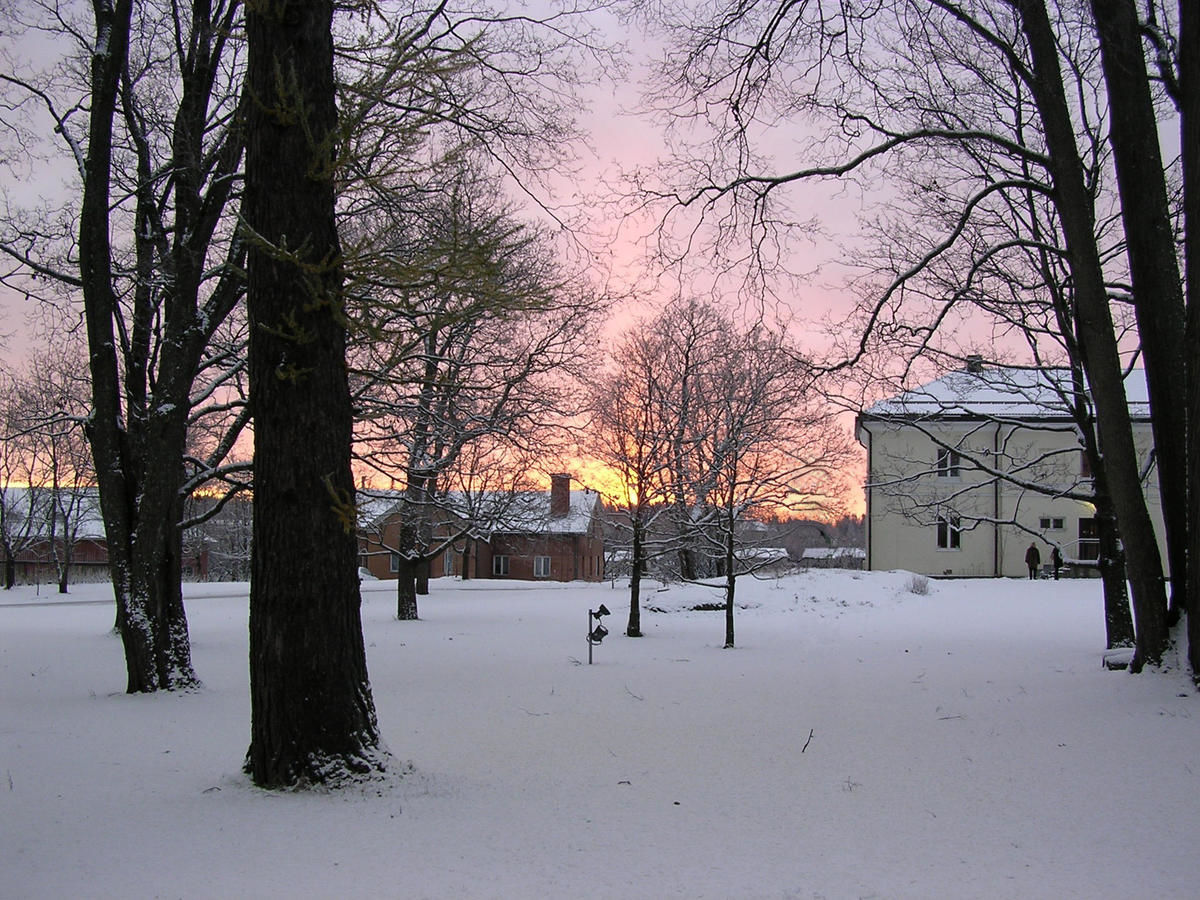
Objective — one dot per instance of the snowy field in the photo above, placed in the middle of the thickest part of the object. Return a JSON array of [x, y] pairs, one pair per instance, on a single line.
[[861, 741]]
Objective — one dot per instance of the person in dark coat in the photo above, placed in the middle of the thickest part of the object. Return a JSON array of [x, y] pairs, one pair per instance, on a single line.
[[1056, 560], [1033, 559]]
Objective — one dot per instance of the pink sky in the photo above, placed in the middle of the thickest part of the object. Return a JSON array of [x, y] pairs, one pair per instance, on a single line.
[[622, 141]]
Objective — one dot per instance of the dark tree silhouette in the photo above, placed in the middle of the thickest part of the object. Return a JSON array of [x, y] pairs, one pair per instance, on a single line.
[[312, 714]]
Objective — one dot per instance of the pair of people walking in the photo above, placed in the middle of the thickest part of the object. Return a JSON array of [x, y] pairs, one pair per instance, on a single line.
[[1033, 560]]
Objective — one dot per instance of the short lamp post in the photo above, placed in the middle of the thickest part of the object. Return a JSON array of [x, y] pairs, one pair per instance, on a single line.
[[596, 635]]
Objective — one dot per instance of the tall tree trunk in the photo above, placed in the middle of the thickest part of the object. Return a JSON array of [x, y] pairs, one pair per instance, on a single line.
[[424, 543], [1118, 621], [1157, 290], [687, 559], [1118, 618], [55, 552], [312, 713], [634, 627], [174, 643], [466, 559], [1189, 89], [62, 562], [130, 524], [412, 544], [407, 563], [730, 566], [1100, 353], [406, 589], [145, 569], [105, 428]]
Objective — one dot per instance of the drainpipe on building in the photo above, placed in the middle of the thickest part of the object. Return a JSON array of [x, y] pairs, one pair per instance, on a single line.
[[870, 445], [996, 503]]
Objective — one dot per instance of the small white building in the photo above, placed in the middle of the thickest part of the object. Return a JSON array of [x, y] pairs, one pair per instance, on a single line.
[[965, 472]]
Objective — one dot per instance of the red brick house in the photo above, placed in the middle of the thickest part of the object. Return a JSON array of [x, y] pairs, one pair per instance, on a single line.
[[553, 535]]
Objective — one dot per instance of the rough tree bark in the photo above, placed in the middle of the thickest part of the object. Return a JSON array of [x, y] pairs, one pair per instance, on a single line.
[[466, 559], [312, 713], [1189, 90], [136, 498], [730, 540], [633, 628], [412, 543], [1154, 268], [406, 584], [1118, 623]]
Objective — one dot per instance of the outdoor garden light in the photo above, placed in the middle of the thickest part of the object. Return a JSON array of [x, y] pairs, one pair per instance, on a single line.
[[596, 635]]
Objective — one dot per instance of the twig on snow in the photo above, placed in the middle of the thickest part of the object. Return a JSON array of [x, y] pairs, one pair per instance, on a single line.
[[809, 741]]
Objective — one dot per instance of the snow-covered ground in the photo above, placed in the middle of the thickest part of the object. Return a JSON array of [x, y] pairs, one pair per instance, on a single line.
[[861, 741]]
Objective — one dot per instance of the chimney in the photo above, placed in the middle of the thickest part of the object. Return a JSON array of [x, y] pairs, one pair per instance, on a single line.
[[975, 364], [560, 495]]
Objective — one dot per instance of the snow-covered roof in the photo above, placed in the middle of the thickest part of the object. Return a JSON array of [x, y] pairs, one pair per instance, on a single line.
[[762, 554], [532, 514], [493, 511], [834, 553], [1001, 392], [85, 513], [373, 505]]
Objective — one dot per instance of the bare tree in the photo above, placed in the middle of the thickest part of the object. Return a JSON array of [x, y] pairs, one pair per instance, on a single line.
[[770, 442], [991, 252], [157, 160], [22, 511], [475, 334], [691, 340], [1158, 296], [722, 423], [462, 315], [53, 401], [627, 434], [1098, 344]]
